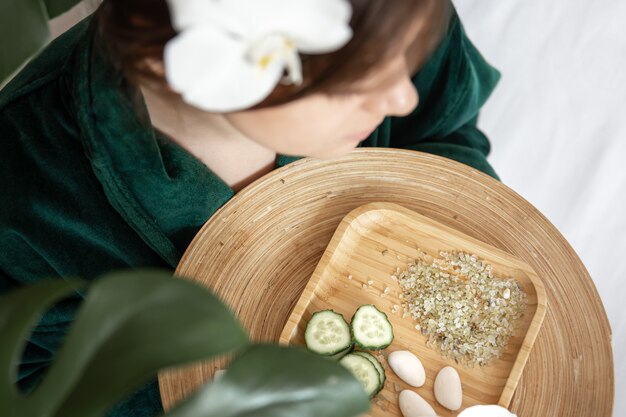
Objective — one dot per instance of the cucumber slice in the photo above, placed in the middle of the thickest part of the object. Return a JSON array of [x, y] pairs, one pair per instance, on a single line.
[[327, 333], [370, 328], [376, 363], [365, 371], [341, 354]]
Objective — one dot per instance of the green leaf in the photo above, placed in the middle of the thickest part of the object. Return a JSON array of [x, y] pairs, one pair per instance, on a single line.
[[56, 7], [274, 381], [19, 312], [23, 31], [134, 323], [131, 325]]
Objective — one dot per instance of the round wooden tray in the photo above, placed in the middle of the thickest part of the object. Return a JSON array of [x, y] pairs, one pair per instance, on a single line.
[[260, 249]]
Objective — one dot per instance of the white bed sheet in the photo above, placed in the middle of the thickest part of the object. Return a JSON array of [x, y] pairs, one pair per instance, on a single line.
[[557, 122]]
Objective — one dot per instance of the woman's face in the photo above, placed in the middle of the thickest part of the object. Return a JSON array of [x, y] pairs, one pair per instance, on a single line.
[[325, 127]]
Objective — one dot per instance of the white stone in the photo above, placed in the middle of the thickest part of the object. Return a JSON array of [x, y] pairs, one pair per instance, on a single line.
[[408, 367], [448, 390], [413, 405], [486, 411]]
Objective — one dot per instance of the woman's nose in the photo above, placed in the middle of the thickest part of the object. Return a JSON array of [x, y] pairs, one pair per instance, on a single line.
[[397, 99]]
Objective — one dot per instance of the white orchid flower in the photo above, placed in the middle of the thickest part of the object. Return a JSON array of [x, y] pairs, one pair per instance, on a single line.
[[230, 54]]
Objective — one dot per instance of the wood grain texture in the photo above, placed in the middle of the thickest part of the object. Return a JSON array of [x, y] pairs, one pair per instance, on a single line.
[[370, 243], [259, 251]]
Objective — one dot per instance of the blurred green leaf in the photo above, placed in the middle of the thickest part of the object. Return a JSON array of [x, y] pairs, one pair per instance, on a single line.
[[131, 325], [23, 31], [275, 381], [19, 312]]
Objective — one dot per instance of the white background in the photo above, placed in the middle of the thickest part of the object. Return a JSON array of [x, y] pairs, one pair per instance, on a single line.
[[557, 123]]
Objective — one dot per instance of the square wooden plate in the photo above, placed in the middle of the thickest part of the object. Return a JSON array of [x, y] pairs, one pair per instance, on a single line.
[[369, 245]]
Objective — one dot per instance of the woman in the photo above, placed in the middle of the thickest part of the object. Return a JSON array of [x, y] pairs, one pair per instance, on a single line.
[[128, 132]]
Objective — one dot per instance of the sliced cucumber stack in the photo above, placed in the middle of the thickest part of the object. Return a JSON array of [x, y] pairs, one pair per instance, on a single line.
[[376, 363], [365, 371], [371, 329], [328, 334], [341, 354]]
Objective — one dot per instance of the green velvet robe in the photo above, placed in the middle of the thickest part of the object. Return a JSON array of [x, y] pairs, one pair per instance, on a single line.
[[87, 185]]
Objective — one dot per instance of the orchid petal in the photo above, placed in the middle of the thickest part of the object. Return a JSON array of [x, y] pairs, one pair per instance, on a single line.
[[186, 14], [230, 54], [214, 72], [315, 26]]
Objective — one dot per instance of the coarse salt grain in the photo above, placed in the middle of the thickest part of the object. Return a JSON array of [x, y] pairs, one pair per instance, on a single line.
[[467, 313]]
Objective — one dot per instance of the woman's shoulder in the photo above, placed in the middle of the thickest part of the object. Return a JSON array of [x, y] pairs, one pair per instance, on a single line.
[[41, 156], [37, 122], [53, 62], [36, 119]]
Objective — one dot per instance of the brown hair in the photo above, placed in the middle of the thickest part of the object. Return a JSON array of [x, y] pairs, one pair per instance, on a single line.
[[136, 31]]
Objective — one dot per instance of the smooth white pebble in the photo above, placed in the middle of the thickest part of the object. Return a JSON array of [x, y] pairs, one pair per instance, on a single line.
[[408, 367], [448, 389], [413, 405]]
